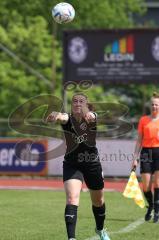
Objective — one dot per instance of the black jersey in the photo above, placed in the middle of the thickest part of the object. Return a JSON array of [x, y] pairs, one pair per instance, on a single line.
[[80, 140]]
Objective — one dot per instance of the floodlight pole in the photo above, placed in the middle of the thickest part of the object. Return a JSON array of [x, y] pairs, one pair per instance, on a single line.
[[54, 35]]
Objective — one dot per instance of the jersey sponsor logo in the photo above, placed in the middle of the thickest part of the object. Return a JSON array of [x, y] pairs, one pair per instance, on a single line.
[[80, 139], [83, 126]]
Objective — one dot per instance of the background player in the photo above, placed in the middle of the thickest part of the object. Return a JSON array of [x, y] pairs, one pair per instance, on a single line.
[[148, 143]]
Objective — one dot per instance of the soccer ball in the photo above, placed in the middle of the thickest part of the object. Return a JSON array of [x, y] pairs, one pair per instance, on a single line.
[[63, 12]]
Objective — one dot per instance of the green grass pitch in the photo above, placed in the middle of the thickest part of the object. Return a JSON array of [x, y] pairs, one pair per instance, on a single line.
[[38, 215]]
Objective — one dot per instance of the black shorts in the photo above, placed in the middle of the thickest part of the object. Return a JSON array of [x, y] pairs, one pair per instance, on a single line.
[[91, 173], [149, 160]]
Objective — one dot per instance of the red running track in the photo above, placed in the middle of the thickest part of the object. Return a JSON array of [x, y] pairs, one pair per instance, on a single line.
[[54, 184]]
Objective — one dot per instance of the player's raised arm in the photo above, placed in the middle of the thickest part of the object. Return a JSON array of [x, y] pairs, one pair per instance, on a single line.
[[57, 117], [90, 117]]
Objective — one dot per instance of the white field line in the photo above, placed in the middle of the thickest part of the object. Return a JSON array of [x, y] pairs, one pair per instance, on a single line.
[[130, 227], [126, 229]]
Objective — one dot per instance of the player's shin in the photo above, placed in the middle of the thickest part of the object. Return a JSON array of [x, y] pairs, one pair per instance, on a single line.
[[149, 197], [70, 220], [99, 215], [156, 205]]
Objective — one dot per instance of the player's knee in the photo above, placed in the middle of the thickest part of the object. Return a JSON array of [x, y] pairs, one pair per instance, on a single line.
[[73, 199], [98, 202], [146, 187]]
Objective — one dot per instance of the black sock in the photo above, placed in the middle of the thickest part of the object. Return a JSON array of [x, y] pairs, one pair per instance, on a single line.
[[156, 200], [99, 215], [149, 198], [70, 220]]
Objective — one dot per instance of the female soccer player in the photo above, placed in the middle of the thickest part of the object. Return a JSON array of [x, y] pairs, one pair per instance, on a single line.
[[148, 143], [81, 162]]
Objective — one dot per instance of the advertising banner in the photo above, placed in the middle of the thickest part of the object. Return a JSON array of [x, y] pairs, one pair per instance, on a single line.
[[111, 56], [116, 157], [25, 157]]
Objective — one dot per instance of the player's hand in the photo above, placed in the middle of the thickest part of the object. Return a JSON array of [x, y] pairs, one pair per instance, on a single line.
[[53, 117], [134, 165], [90, 117]]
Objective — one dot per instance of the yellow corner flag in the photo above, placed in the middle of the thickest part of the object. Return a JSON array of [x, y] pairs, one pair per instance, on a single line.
[[132, 190]]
